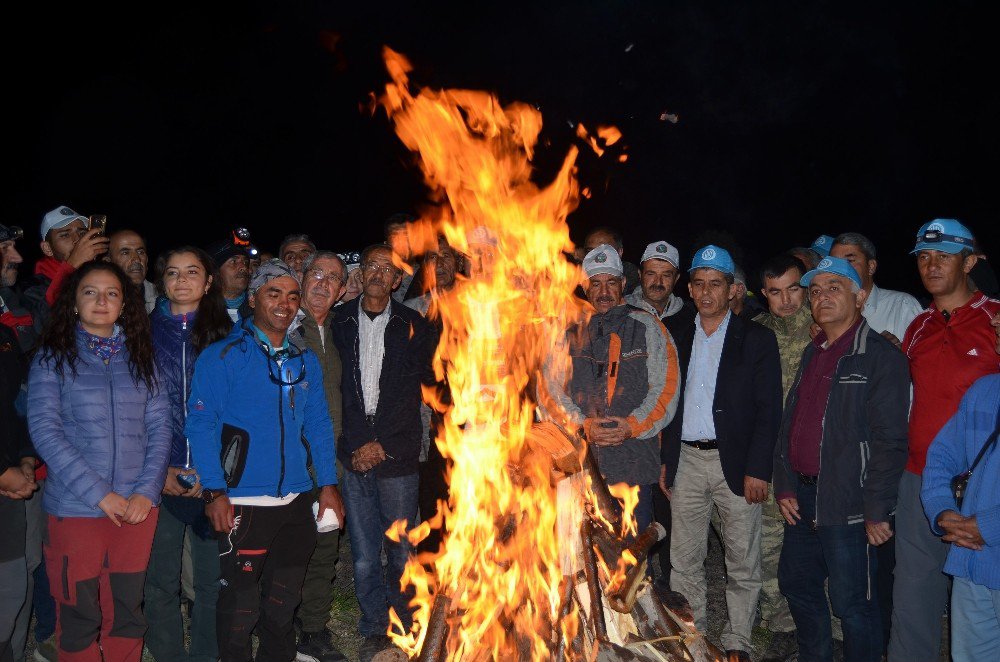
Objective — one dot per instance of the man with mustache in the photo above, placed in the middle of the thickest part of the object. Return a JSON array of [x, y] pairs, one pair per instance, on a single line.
[[13, 312], [128, 250], [950, 346], [659, 272], [841, 450], [623, 390], [233, 263], [385, 349], [718, 450]]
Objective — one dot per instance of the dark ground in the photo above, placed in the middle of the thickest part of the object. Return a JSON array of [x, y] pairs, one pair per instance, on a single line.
[[344, 614]]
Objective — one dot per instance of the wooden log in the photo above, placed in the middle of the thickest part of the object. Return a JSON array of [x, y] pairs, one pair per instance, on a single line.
[[435, 647], [593, 581]]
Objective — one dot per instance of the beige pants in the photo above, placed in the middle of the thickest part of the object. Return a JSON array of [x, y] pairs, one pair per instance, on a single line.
[[698, 486]]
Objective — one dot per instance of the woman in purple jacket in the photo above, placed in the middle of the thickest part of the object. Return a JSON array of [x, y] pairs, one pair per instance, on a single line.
[[99, 420], [191, 315]]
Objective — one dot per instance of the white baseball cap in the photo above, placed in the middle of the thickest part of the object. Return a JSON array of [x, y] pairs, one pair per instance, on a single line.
[[60, 217], [603, 260], [661, 250]]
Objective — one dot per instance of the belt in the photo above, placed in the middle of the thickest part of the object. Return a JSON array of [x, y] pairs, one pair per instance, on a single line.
[[370, 419], [808, 480], [702, 444]]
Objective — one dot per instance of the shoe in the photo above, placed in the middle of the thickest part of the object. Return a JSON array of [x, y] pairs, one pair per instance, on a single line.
[[47, 651], [317, 647], [372, 645], [734, 655]]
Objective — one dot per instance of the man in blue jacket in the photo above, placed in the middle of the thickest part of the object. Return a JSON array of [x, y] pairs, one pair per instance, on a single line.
[[841, 450], [973, 529], [256, 400], [386, 350], [719, 448]]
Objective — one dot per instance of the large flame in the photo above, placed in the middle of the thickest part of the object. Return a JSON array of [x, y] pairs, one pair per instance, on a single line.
[[500, 565]]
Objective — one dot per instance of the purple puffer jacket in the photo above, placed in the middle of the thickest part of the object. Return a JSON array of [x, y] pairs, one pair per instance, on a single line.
[[99, 431]]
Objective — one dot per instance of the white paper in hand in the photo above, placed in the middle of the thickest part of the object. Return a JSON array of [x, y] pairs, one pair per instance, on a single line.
[[330, 522]]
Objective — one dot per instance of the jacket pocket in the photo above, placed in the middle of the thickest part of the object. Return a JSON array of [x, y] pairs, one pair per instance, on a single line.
[[235, 450]]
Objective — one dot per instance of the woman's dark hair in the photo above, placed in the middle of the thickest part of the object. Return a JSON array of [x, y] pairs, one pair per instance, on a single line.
[[212, 321], [58, 342]]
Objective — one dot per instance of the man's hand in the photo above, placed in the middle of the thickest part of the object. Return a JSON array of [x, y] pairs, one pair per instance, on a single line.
[[790, 510], [878, 532], [28, 468], [613, 435], [114, 506], [367, 457], [663, 481], [89, 247], [220, 514], [329, 497], [961, 531], [15, 485], [754, 490], [893, 339], [138, 509], [170, 486]]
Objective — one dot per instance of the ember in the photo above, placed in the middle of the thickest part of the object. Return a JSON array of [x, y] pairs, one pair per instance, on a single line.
[[540, 559]]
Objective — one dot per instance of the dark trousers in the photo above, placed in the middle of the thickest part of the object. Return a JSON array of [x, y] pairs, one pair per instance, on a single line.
[[317, 589], [163, 593], [372, 505], [96, 573], [263, 565], [809, 557]]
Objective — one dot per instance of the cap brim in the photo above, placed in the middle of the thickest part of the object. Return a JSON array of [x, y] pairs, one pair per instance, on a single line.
[[661, 259], [604, 270], [942, 246]]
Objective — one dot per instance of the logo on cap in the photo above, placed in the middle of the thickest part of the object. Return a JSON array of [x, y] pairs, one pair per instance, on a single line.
[[601, 257], [825, 263], [935, 227], [661, 248], [708, 254], [66, 211], [821, 241]]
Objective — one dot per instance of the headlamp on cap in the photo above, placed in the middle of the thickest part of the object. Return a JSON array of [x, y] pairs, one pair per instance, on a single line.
[[937, 236], [11, 233], [252, 251], [241, 236]]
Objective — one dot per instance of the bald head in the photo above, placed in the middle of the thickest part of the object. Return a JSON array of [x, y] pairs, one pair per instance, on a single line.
[[128, 250]]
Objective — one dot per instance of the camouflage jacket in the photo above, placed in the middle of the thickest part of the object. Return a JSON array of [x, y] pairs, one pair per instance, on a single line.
[[793, 336]]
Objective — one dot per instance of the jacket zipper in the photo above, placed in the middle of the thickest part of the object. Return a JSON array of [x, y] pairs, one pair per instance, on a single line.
[[281, 424], [114, 419], [184, 387]]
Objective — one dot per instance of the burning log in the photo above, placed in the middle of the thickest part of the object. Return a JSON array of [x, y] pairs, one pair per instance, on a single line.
[[593, 581], [436, 642], [622, 597]]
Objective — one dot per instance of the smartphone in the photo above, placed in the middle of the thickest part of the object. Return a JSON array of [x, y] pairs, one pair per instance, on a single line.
[[609, 424], [100, 223], [187, 481]]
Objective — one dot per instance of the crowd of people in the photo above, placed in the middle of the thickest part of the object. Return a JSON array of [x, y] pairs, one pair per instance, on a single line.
[[197, 433]]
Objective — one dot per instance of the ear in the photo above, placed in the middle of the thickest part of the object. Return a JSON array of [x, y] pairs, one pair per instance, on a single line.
[[252, 300], [969, 262], [46, 248], [733, 289], [872, 266], [690, 290], [763, 292], [861, 297]]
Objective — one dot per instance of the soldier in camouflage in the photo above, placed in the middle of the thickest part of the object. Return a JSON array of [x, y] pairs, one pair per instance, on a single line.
[[790, 318]]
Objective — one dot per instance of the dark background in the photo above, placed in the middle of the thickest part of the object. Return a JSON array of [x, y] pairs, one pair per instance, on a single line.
[[184, 119]]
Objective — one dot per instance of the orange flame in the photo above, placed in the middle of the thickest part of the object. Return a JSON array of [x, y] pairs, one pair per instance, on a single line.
[[499, 565]]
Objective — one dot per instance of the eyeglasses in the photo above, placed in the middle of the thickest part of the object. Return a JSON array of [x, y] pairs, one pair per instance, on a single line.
[[374, 268], [319, 275]]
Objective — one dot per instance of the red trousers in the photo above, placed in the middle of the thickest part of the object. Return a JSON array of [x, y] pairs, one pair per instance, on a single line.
[[96, 575]]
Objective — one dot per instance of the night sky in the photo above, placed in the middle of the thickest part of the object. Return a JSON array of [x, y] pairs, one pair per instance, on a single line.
[[182, 119]]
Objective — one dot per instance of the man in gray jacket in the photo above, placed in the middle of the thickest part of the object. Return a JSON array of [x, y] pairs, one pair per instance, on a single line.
[[841, 450]]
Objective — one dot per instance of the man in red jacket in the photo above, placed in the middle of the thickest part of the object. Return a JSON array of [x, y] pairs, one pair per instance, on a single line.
[[949, 346], [67, 243]]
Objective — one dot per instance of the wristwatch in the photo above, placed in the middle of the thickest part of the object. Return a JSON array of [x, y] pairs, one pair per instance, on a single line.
[[208, 496]]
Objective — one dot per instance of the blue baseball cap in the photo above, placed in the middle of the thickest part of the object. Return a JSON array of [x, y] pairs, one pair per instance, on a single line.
[[832, 265], [713, 257], [822, 245], [943, 234]]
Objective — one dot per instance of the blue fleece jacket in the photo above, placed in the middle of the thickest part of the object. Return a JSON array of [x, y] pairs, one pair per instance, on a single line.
[[953, 450], [235, 384]]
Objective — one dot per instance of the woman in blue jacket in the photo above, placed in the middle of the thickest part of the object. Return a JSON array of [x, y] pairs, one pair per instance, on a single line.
[[97, 417], [191, 315]]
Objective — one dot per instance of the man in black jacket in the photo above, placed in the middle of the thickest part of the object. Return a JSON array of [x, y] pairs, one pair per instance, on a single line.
[[719, 448], [841, 451], [385, 349]]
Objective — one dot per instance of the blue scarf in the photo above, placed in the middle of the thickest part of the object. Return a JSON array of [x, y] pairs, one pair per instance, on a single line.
[[103, 348]]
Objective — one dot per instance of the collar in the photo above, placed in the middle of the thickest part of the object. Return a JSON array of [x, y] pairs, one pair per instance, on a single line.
[[978, 298], [719, 331], [842, 342], [50, 267], [800, 319], [674, 303], [361, 310], [237, 302], [266, 342]]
